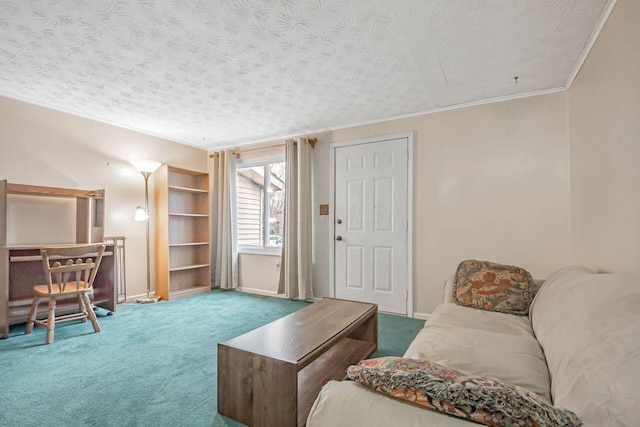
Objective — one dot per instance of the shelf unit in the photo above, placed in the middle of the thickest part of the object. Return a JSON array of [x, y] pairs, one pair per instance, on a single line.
[[183, 253], [89, 208]]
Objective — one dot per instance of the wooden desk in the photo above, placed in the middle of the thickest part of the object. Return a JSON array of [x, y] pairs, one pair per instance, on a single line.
[[272, 375], [21, 269]]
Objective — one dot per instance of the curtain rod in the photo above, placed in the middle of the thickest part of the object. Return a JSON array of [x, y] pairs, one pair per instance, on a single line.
[[310, 141]]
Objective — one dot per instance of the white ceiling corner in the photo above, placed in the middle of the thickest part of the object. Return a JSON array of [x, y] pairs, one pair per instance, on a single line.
[[608, 10], [238, 71]]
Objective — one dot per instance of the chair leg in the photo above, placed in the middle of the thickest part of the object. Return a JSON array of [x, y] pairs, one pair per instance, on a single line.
[[51, 320], [90, 313], [32, 315], [82, 307]]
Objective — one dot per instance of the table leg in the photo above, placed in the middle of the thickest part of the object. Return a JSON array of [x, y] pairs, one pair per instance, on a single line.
[[256, 390]]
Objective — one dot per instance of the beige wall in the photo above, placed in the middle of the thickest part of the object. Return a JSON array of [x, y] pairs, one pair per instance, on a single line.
[[490, 182], [604, 112], [259, 273], [41, 146]]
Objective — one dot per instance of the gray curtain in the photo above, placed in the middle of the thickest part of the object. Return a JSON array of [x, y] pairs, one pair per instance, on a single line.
[[224, 251], [295, 270]]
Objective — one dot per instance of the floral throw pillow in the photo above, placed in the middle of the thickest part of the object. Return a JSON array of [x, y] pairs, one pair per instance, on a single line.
[[494, 287], [483, 400]]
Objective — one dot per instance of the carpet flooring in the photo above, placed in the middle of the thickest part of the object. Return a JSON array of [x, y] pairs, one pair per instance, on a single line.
[[152, 364]]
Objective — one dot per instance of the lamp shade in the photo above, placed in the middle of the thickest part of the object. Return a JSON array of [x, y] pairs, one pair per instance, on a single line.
[[141, 214], [146, 166]]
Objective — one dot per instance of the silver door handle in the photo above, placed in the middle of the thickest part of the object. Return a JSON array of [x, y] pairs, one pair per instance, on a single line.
[[338, 238]]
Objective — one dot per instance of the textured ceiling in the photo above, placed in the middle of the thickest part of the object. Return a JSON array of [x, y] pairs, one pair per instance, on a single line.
[[237, 71]]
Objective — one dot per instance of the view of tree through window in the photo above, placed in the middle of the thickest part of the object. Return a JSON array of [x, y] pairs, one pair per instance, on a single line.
[[261, 204]]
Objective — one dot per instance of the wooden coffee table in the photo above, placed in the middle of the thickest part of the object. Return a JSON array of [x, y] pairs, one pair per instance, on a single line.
[[271, 375]]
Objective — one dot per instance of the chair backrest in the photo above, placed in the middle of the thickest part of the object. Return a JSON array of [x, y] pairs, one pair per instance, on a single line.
[[77, 263]]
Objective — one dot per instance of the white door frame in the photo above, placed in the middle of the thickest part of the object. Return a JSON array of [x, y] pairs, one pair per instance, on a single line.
[[332, 198]]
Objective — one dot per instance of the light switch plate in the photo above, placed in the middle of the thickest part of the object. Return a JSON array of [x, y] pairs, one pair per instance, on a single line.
[[324, 209]]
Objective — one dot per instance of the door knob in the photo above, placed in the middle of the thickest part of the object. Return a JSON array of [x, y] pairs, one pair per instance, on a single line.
[[339, 221], [338, 238]]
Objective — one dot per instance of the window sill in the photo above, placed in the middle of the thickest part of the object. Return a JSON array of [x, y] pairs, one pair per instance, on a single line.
[[255, 250]]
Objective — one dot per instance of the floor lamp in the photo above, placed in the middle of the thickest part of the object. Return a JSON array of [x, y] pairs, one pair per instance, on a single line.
[[146, 168]]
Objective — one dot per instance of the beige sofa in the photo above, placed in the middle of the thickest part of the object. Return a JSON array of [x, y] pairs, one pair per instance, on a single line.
[[579, 347]]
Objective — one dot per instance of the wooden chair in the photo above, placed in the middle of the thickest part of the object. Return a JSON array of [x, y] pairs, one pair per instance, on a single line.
[[72, 279]]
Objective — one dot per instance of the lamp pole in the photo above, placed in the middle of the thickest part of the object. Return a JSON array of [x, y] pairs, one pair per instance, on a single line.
[[146, 168], [146, 207]]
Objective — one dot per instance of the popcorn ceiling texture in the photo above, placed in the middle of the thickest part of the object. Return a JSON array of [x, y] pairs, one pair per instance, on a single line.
[[237, 71]]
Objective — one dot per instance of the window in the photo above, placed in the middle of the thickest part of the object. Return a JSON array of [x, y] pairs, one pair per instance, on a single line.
[[260, 203]]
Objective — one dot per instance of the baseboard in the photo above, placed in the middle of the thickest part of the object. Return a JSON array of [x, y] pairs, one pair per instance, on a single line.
[[133, 298], [258, 291]]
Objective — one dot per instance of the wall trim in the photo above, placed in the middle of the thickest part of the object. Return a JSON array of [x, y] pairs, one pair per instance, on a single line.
[[391, 118], [133, 298], [410, 289], [421, 316], [257, 291], [592, 41]]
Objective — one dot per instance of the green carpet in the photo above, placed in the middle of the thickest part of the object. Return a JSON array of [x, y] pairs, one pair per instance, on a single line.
[[152, 364]]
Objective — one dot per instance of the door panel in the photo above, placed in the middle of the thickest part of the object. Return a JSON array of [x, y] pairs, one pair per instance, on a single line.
[[383, 265], [355, 211], [370, 245], [355, 267], [383, 205]]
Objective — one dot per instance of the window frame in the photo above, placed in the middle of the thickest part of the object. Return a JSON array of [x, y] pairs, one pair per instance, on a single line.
[[263, 161]]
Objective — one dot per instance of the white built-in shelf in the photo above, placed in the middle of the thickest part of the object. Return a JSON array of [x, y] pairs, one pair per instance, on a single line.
[[187, 189], [188, 214], [188, 267], [172, 245]]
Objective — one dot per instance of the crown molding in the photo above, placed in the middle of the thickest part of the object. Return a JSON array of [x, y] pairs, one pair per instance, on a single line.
[[391, 118], [606, 13], [296, 135]]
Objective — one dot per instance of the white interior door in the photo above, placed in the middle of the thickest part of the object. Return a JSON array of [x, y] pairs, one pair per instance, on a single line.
[[370, 229]]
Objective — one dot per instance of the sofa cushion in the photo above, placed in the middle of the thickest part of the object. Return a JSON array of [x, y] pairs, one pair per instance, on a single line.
[[450, 287], [481, 399], [483, 343], [589, 328], [494, 287]]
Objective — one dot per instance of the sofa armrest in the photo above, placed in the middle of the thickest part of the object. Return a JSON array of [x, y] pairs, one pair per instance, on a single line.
[[448, 289], [350, 404]]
